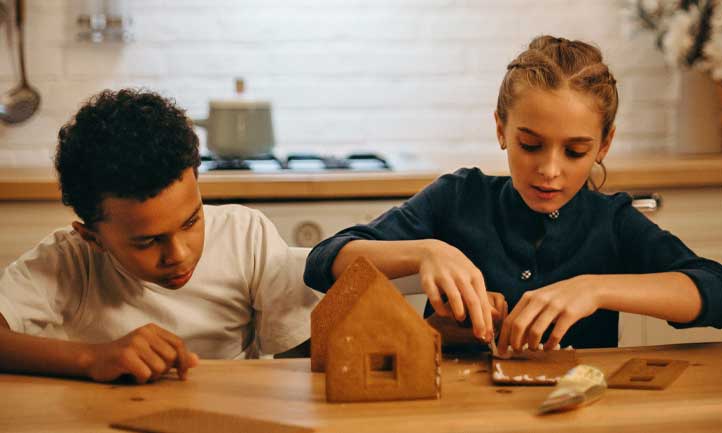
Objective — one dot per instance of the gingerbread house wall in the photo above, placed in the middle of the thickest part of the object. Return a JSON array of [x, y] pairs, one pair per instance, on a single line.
[[382, 323], [335, 306]]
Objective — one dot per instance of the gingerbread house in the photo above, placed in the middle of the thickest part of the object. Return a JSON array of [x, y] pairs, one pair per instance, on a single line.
[[371, 343]]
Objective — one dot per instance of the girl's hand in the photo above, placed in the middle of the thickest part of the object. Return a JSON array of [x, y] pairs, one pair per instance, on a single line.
[[454, 333], [562, 303], [500, 309], [443, 268]]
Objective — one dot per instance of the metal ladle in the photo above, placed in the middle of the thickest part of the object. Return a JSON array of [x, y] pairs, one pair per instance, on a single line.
[[21, 102], [4, 14]]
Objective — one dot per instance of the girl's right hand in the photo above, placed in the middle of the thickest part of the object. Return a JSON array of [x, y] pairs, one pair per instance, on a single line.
[[445, 269]]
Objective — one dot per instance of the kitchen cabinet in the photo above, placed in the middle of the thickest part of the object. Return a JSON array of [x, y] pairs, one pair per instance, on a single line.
[[25, 223], [694, 215]]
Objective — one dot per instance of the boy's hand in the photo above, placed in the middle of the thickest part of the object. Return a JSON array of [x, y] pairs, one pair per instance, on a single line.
[[443, 268], [146, 354]]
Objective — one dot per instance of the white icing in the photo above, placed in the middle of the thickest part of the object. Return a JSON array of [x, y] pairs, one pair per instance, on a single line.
[[499, 376]]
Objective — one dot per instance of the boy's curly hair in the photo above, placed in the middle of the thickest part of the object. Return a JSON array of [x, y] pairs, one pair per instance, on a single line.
[[128, 144]]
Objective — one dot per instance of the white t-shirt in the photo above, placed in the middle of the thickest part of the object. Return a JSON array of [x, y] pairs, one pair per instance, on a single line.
[[246, 296]]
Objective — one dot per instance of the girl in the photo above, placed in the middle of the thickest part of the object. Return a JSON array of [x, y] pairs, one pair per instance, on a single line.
[[566, 258]]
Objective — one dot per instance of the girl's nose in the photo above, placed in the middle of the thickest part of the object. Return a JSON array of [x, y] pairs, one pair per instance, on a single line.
[[550, 165]]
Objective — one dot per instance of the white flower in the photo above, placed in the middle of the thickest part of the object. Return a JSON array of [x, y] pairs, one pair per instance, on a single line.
[[678, 39], [712, 50], [678, 30]]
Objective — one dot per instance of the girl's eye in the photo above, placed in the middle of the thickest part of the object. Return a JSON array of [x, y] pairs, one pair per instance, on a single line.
[[573, 154], [530, 147]]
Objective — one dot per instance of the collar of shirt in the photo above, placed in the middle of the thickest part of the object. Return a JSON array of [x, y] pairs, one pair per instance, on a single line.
[[558, 235]]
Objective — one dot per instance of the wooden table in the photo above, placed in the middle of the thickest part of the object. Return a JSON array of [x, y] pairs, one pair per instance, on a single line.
[[286, 390]]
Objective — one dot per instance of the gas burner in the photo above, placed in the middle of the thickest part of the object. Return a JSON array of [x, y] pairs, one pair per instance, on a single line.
[[298, 162]]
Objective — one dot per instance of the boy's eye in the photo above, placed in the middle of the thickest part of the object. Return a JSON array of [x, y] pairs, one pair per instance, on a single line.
[[145, 244], [192, 222], [530, 147]]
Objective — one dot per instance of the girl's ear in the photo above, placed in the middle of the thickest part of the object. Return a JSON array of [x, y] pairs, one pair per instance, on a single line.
[[606, 144], [499, 131], [89, 235]]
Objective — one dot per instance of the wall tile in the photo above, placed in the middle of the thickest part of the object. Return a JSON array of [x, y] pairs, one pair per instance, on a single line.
[[392, 76]]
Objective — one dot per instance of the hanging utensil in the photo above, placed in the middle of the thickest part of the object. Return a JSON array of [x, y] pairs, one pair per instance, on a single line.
[[6, 19], [21, 102], [4, 14]]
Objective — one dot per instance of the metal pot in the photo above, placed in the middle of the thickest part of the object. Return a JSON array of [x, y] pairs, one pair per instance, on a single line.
[[238, 129]]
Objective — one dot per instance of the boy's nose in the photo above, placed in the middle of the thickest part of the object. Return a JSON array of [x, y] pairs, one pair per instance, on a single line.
[[175, 252]]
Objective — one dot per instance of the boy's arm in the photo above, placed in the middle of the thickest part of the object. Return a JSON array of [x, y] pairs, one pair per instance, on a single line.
[[282, 304], [28, 354], [146, 354]]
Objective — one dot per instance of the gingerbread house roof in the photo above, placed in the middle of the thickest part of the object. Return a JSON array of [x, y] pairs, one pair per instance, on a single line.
[[374, 301]]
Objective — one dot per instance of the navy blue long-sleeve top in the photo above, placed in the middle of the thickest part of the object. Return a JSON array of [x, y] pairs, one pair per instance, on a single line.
[[486, 218]]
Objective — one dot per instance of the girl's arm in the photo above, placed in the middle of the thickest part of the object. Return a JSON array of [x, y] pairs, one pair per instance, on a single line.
[[663, 279], [394, 258], [404, 241], [671, 296], [442, 269]]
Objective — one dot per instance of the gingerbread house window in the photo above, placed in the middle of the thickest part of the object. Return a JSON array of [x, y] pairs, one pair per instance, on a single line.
[[381, 368]]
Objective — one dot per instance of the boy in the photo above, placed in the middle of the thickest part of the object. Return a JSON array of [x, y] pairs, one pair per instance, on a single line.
[[151, 279]]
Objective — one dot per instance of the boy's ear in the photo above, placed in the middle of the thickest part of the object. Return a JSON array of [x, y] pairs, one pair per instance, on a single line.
[[606, 145], [499, 131], [89, 235]]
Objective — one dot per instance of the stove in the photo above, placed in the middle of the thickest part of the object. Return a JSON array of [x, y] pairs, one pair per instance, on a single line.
[[297, 162]]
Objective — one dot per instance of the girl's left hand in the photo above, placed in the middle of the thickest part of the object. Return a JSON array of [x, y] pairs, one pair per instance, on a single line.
[[562, 303]]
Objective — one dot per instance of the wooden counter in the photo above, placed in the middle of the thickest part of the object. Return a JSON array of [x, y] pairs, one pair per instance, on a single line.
[[286, 391], [633, 172]]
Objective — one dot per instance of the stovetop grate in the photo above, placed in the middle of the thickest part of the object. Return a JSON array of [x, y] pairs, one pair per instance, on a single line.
[[298, 162]]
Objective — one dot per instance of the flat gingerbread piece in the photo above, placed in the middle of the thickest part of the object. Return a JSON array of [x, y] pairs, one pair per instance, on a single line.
[[192, 421], [533, 368]]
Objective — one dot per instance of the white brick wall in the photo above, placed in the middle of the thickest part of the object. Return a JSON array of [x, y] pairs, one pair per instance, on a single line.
[[385, 75]]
